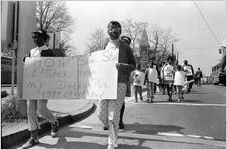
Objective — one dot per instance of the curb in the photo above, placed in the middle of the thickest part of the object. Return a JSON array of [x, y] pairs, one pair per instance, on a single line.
[[21, 136]]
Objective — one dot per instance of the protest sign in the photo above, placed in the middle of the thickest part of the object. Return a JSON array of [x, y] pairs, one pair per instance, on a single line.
[[90, 76]]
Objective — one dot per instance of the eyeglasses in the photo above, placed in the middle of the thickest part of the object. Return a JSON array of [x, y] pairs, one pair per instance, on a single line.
[[114, 30]]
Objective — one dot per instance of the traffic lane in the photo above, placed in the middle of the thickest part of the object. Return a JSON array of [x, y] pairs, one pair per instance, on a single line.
[[208, 94], [189, 120]]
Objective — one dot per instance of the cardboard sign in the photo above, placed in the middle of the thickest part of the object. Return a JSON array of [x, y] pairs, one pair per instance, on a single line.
[[138, 78], [91, 76]]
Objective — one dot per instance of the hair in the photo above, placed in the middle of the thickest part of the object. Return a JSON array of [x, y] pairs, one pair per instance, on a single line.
[[116, 23], [179, 67], [126, 39], [138, 66], [170, 58], [42, 33]]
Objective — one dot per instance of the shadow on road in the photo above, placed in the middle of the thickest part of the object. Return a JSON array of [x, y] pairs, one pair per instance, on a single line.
[[192, 101], [186, 101], [151, 129], [71, 138]]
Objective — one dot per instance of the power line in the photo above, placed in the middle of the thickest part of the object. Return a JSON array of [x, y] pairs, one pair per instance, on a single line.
[[204, 19]]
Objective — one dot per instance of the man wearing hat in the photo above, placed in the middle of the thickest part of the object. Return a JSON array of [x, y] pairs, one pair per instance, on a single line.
[[40, 37]]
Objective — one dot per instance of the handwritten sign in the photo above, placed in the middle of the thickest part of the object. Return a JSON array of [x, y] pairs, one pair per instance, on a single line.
[[138, 77], [90, 76]]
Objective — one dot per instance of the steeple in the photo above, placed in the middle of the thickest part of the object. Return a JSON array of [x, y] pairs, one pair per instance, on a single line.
[[144, 39], [144, 50]]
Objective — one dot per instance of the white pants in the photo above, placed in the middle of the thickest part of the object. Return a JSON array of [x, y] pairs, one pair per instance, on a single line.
[[109, 113], [40, 106]]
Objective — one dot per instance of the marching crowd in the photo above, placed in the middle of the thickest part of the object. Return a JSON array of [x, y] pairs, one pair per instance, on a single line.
[[168, 76]]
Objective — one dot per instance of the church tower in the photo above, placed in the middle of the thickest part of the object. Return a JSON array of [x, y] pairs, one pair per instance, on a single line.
[[144, 50]]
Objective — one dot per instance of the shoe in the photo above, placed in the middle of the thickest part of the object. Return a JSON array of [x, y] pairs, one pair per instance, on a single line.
[[178, 100], [105, 128], [121, 125], [110, 146], [170, 99], [30, 143], [55, 128]]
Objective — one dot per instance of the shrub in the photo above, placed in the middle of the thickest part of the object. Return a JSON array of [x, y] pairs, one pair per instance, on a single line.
[[8, 109], [4, 94]]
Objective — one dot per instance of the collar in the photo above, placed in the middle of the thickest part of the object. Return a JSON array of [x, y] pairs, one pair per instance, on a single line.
[[115, 42]]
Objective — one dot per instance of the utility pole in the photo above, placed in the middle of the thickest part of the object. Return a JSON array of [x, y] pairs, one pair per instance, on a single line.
[[26, 24], [15, 39], [172, 49]]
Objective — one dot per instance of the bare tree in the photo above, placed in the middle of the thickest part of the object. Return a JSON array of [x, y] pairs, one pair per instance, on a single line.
[[98, 40], [52, 16], [133, 30], [161, 39]]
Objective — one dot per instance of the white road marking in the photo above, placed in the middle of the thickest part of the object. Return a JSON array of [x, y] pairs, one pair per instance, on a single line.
[[170, 134], [84, 127], [208, 137], [185, 135], [194, 136]]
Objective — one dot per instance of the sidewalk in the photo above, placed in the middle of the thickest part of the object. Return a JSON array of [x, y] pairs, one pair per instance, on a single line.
[[67, 112]]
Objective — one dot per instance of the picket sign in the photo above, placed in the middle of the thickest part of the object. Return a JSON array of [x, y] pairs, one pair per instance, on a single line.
[[89, 76]]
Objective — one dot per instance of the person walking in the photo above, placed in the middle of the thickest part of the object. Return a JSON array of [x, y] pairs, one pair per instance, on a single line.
[[109, 109], [138, 82], [162, 85], [179, 82], [121, 124], [127, 40], [40, 105], [190, 74], [198, 76], [167, 74], [151, 78]]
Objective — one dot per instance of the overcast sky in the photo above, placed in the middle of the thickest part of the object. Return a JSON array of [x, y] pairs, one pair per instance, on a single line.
[[196, 44]]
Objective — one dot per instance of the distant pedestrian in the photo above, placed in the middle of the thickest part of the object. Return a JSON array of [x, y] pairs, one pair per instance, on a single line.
[[167, 75], [175, 69], [40, 105], [138, 82], [179, 82], [161, 80], [190, 74], [109, 110], [198, 76], [151, 78]]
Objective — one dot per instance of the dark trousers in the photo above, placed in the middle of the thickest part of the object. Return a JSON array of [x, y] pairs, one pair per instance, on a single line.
[[199, 82], [122, 113], [189, 78], [138, 89], [169, 88]]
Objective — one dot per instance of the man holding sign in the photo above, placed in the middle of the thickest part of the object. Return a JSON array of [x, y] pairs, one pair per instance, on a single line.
[[167, 74], [109, 109], [39, 38]]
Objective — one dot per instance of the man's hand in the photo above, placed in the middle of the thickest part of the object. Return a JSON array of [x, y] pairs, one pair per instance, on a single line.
[[120, 66]]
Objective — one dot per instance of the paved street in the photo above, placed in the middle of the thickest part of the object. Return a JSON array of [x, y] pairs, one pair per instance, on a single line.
[[197, 122]]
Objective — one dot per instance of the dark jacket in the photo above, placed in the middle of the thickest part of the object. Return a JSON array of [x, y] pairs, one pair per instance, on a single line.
[[125, 56], [45, 53]]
